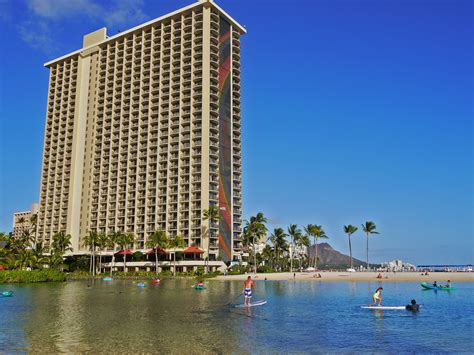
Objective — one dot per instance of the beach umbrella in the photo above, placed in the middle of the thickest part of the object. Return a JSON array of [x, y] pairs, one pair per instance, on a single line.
[[193, 250], [124, 252]]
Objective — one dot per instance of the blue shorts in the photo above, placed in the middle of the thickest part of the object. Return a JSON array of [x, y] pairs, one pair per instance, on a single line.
[[248, 293]]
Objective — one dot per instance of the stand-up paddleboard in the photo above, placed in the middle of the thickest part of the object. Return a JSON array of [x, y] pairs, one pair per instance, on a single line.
[[252, 304], [384, 307]]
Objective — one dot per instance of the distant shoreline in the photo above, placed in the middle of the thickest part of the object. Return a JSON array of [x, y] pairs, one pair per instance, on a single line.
[[440, 277]]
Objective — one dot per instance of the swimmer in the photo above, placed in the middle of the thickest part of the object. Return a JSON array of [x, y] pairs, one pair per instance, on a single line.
[[414, 307]]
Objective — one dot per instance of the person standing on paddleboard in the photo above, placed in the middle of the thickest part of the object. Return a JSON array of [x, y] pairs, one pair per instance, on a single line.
[[377, 297], [247, 291]]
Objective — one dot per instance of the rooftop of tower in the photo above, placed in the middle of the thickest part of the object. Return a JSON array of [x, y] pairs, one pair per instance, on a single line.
[[151, 22]]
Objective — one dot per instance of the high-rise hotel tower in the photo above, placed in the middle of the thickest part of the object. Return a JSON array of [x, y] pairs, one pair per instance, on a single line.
[[143, 133]]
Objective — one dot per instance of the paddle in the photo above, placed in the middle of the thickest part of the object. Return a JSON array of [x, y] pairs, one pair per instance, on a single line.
[[235, 299]]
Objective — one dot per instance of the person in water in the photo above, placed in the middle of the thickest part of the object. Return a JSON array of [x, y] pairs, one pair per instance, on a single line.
[[247, 291], [448, 284], [414, 307], [435, 284], [377, 297]]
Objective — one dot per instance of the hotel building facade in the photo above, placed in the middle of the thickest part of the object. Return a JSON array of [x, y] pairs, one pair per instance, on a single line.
[[143, 132], [22, 221]]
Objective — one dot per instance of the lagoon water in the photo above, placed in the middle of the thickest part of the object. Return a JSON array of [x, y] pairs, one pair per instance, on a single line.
[[299, 317]]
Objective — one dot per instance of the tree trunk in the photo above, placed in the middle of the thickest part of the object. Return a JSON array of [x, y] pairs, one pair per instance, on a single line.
[[100, 262], [291, 257], [174, 263], [156, 261], [350, 250], [367, 251], [208, 246], [316, 255], [112, 264], [255, 258], [90, 263], [124, 263], [93, 263]]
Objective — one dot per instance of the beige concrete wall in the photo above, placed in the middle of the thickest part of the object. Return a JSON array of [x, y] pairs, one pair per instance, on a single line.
[[95, 37], [77, 164]]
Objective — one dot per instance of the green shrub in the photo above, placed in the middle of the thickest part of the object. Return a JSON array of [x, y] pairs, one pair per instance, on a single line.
[[265, 269], [22, 276], [238, 270], [75, 263], [137, 256]]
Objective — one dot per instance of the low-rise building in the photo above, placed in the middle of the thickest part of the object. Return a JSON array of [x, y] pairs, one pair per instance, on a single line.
[[398, 265], [22, 221]]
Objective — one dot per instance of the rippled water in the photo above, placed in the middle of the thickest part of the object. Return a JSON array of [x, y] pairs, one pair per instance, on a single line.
[[172, 317]]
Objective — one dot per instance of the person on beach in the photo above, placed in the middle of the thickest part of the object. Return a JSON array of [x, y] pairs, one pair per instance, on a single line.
[[377, 297], [414, 307], [379, 276], [247, 291]]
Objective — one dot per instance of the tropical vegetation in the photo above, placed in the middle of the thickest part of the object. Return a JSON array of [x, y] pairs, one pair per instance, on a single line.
[[290, 249]]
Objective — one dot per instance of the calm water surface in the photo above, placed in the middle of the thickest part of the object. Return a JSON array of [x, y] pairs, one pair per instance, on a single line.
[[172, 317]]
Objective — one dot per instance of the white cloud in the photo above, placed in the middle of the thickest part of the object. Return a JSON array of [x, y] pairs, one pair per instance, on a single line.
[[55, 9], [125, 12], [37, 34], [46, 15], [116, 12]]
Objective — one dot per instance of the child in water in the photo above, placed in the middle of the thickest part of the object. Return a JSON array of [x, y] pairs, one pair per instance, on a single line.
[[413, 306], [377, 297]]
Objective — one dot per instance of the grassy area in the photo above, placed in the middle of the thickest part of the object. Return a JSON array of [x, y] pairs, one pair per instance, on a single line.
[[22, 276]]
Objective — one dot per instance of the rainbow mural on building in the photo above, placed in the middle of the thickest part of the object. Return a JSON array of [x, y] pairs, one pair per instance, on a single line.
[[225, 143]]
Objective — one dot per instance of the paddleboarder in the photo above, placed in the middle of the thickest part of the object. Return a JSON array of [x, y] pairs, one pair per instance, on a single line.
[[247, 291], [377, 297]]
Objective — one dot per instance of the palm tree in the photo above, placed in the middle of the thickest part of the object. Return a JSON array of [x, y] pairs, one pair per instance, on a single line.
[[254, 231], [175, 243], [123, 242], [268, 255], [212, 216], [33, 227], [295, 233], [159, 239], [310, 232], [318, 234], [91, 240], [278, 239], [303, 242], [112, 243], [38, 251], [369, 228], [26, 259], [61, 244], [102, 243], [349, 230]]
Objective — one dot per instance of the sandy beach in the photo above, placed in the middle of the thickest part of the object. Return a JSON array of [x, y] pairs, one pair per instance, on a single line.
[[441, 277]]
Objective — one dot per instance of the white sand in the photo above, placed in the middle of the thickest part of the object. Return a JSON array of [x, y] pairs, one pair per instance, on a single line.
[[441, 277]]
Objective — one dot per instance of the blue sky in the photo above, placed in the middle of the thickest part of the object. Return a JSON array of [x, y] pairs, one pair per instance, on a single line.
[[352, 111]]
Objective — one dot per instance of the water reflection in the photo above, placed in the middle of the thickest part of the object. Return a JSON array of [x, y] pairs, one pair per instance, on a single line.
[[305, 317], [121, 316]]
